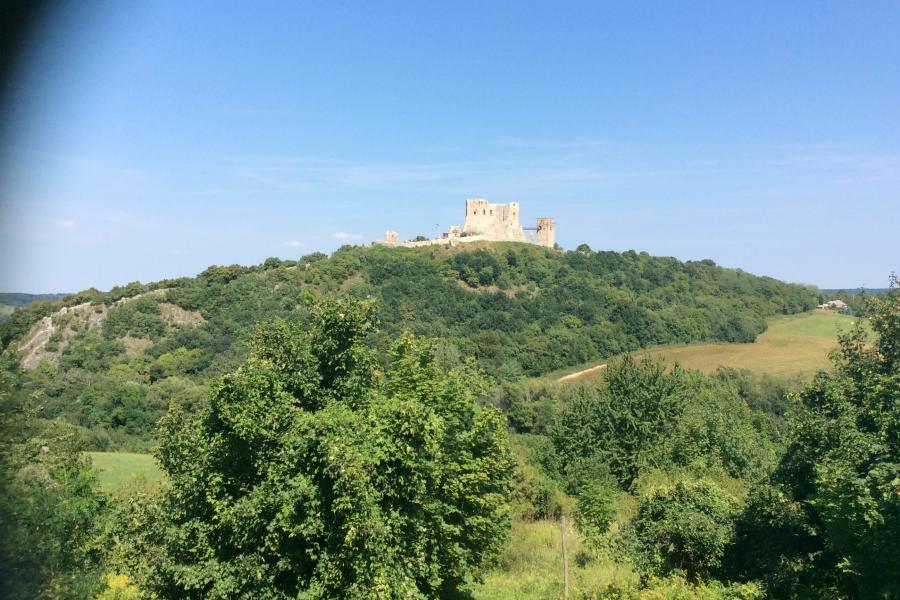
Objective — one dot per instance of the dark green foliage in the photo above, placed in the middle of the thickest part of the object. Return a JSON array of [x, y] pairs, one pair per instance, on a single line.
[[718, 432], [138, 318], [627, 422], [529, 406], [477, 268], [51, 511], [313, 474], [91, 352], [775, 543], [686, 527], [761, 392], [642, 418], [832, 521], [22, 319], [519, 310]]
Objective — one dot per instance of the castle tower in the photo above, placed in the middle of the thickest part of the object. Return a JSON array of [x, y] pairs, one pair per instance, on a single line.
[[494, 221], [546, 232]]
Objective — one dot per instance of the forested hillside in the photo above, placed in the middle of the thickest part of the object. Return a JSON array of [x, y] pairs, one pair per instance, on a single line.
[[111, 362]]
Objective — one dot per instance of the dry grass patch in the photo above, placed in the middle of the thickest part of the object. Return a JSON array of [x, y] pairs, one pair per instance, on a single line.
[[175, 315], [793, 347]]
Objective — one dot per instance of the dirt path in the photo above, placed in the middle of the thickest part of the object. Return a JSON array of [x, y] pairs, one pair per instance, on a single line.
[[580, 374]]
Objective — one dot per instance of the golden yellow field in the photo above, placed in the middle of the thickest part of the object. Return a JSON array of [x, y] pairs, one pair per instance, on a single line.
[[794, 346]]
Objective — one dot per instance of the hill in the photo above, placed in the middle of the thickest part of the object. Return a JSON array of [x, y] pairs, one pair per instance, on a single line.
[[112, 362], [11, 301]]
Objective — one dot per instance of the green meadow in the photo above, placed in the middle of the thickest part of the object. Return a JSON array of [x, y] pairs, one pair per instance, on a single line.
[[118, 470]]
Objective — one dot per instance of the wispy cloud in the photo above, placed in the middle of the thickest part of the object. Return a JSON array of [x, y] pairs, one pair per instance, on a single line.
[[539, 144], [65, 224], [346, 237], [292, 244]]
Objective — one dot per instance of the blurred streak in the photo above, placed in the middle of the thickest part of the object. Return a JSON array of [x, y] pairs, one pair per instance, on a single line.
[[20, 22]]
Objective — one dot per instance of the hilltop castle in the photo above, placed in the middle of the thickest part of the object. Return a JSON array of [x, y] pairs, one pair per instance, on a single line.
[[486, 222]]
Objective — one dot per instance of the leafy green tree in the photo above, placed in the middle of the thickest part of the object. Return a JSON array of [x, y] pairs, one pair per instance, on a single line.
[[313, 474], [833, 519], [686, 527], [626, 422], [51, 509]]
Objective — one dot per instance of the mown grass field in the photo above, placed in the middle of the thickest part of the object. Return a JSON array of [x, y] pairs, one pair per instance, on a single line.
[[793, 347], [118, 470]]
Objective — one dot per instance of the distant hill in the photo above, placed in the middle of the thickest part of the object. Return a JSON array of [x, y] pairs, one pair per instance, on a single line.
[[873, 291], [517, 309], [11, 301]]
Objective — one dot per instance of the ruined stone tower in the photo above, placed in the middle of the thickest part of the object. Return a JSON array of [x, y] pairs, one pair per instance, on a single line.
[[494, 221], [485, 222], [546, 232]]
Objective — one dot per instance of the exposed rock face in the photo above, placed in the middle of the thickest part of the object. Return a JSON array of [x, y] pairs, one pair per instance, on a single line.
[[175, 315], [58, 327], [50, 336]]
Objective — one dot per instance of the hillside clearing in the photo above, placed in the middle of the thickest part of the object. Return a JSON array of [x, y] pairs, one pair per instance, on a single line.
[[792, 347], [531, 566], [116, 470]]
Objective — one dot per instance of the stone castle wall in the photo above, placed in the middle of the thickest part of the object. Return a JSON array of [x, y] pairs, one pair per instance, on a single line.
[[498, 221], [486, 222]]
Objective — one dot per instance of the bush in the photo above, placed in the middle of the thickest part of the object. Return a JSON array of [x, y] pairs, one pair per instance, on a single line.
[[687, 528], [676, 587], [595, 509]]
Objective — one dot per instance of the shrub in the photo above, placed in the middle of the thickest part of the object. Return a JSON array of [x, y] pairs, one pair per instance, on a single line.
[[686, 528]]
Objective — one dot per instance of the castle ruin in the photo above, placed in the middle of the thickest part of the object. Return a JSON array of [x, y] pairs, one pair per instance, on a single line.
[[486, 222]]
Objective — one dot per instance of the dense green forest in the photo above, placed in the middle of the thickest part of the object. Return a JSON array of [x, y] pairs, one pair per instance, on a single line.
[[364, 426], [113, 367]]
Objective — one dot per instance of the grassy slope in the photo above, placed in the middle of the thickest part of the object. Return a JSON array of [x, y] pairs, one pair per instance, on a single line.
[[531, 566], [116, 470], [794, 346]]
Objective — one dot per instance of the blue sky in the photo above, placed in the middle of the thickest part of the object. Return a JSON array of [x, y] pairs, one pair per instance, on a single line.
[[150, 140]]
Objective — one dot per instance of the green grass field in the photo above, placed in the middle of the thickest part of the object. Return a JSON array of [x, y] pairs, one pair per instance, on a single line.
[[792, 347], [531, 566], [118, 470]]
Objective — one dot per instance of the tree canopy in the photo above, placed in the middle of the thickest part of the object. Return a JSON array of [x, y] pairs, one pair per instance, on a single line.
[[313, 473]]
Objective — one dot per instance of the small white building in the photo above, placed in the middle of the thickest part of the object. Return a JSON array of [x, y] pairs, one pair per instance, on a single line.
[[833, 305]]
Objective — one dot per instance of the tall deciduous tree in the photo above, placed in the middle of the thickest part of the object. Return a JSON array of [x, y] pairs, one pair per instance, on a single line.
[[312, 474], [831, 525]]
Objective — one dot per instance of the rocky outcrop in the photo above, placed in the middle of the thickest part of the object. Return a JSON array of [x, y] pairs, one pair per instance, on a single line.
[[49, 337]]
